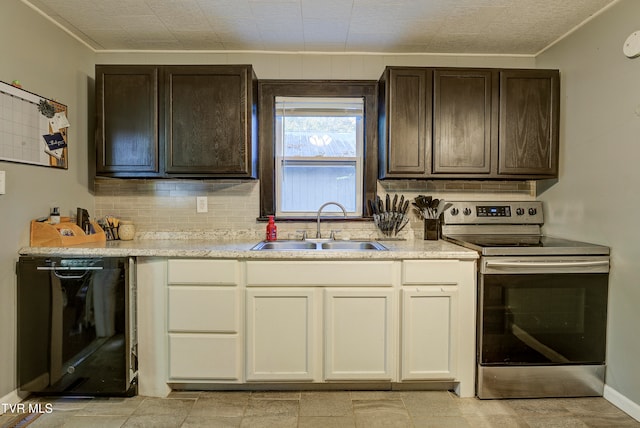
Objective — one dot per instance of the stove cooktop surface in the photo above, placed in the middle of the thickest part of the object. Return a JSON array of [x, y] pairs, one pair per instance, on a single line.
[[498, 245], [507, 228]]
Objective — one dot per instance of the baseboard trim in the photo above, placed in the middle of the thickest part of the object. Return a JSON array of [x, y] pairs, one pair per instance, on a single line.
[[623, 403], [10, 398], [317, 386]]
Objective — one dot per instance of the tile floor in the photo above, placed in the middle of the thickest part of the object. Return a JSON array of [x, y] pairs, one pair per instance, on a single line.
[[323, 409]]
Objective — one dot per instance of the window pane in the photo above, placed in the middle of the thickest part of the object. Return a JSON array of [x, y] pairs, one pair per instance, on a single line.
[[319, 146], [320, 136], [306, 187]]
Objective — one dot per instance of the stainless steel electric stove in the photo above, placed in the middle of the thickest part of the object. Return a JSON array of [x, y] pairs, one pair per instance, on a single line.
[[542, 302]]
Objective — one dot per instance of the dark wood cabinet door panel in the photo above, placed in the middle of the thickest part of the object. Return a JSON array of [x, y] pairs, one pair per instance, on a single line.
[[529, 122], [407, 127], [468, 123], [208, 120], [464, 123], [127, 138], [191, 120]]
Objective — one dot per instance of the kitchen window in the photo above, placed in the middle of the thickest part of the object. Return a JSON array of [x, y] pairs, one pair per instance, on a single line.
[[318, 154], [318, 143]]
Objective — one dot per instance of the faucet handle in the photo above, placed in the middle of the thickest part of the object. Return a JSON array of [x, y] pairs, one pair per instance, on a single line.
[[304, 234], [333, 234]]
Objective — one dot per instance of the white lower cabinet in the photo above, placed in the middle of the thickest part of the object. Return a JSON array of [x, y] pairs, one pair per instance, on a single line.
[[305, 324], [203, 308], [359, 336], [295, 335], [204, 321], [429, 333], [437, 335], [281, 336], [231, 321], [204, 357]]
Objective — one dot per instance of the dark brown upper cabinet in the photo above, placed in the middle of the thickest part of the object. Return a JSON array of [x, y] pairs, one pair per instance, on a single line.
[[209, 120], [468, 123], [176, 121], [529, 122], [405, 122], [127, 139], [464, 121]]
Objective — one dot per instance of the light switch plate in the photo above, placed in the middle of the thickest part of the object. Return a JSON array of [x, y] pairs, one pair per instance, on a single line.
[[3, 181], [201, 204]]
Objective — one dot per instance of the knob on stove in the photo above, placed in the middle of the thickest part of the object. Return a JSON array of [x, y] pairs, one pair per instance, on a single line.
[[467, 211], [454, 211], [520, 211], [532, 211]]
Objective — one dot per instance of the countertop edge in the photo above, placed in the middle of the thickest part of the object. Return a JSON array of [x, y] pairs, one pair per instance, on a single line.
[[242, 250]]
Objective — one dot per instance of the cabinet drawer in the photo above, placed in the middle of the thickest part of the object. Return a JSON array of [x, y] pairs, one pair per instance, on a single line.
[[430, 272], [187, 271], [330, 273], [203, 309], [204, 356]]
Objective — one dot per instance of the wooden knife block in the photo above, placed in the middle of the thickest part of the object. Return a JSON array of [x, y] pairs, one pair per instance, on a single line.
[[51, 235]]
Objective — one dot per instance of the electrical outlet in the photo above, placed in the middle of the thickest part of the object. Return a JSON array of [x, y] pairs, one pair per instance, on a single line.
[[3, 181], [201, 204]]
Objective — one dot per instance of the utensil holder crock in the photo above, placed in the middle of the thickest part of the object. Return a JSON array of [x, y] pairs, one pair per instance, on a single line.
[[431, 229]]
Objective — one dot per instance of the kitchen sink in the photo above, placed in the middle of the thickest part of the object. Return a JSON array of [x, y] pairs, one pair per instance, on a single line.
[[319, 245], [285, 245], [352, 245]]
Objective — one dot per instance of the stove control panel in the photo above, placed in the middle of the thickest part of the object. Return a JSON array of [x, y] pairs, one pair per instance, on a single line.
[[501, 212], [493, 211]]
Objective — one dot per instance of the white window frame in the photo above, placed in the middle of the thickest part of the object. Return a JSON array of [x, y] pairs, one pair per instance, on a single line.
[[312, 106]]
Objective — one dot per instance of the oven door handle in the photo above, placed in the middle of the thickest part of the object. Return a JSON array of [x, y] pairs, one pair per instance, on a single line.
[[568, 264]]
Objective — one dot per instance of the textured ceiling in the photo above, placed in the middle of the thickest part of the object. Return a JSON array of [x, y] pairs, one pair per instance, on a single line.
[[401, 26]]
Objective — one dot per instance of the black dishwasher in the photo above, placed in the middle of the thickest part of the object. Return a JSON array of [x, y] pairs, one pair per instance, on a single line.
[[76, 326]]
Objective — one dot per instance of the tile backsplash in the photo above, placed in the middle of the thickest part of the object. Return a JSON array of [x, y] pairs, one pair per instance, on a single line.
[[170, 205], [167, 208]]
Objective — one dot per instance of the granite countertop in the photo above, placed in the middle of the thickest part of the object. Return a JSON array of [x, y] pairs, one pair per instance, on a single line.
[[241, 249]]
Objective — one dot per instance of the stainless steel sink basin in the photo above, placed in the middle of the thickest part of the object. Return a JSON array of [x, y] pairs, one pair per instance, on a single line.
[[352, 245], [285, 245], [319, 245]]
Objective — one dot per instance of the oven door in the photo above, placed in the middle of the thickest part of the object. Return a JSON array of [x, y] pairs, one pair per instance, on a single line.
[[541, 312]]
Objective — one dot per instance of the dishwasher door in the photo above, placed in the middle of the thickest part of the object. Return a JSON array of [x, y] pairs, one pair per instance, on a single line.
[[76, 326]]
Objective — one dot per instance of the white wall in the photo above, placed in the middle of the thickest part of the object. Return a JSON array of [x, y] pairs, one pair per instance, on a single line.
[[49, 63], [596, 198], [315, 66]]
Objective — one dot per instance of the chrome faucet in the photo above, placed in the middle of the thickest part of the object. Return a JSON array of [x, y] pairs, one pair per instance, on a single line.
[[344, 211]]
